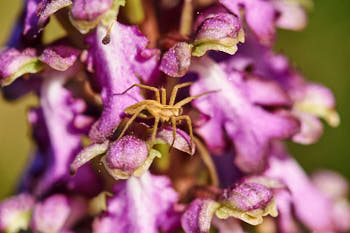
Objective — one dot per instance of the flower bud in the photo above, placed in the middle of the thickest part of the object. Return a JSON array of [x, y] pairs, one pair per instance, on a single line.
[[221, 31], [125, 156], [248, 202]]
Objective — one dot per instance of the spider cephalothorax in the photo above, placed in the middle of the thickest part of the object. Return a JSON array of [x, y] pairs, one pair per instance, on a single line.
[[160, 110]]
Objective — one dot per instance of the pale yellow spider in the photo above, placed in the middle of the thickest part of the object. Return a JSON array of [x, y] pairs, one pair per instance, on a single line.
[[160, 110]]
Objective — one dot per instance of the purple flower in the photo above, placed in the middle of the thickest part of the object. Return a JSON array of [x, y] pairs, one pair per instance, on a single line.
[[245, 200], [248, 125], [142, 204], [248, 103]]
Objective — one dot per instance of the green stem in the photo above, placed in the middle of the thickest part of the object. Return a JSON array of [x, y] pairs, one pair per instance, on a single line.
[[186, 18]]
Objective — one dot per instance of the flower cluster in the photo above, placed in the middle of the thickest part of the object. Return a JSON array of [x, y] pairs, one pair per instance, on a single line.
[[115, 152]]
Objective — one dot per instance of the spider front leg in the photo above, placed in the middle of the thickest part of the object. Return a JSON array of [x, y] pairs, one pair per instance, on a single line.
[[189, 99], [174, 92], [189, 124], [155, 90], [137, 112]]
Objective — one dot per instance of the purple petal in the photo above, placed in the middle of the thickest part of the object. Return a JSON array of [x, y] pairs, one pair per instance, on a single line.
[[139, 205], [311, 206], [15, 213], [51, 214], [259, 15], [14, 63], [60, 57], [197, 218], [182, 140], [249, 126], [176, 60], [52, 122], [116, 67], [89, 10], [268, 93], [292, 15]]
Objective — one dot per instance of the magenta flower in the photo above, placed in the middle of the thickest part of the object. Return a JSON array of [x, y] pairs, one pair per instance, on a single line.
[[168, 125]]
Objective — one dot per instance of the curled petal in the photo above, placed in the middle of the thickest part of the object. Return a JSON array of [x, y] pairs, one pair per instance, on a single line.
[[14, 63], [15, 213], [38, 13], [177, 60], [59, 57], [182, 139], [311, 128], [198, 216], [87, 154], [319, 101]]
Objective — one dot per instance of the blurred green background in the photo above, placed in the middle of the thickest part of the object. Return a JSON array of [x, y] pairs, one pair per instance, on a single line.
[[321, 52]]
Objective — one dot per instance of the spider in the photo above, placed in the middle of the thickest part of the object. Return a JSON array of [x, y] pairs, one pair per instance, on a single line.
[[160, 110]]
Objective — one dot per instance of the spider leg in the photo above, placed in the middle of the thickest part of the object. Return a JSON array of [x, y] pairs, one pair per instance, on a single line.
[[155, 128], [173, 123], [137, 112], [189, 99], [174, 92], [156, 91], [163, 91], [189, 124]]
